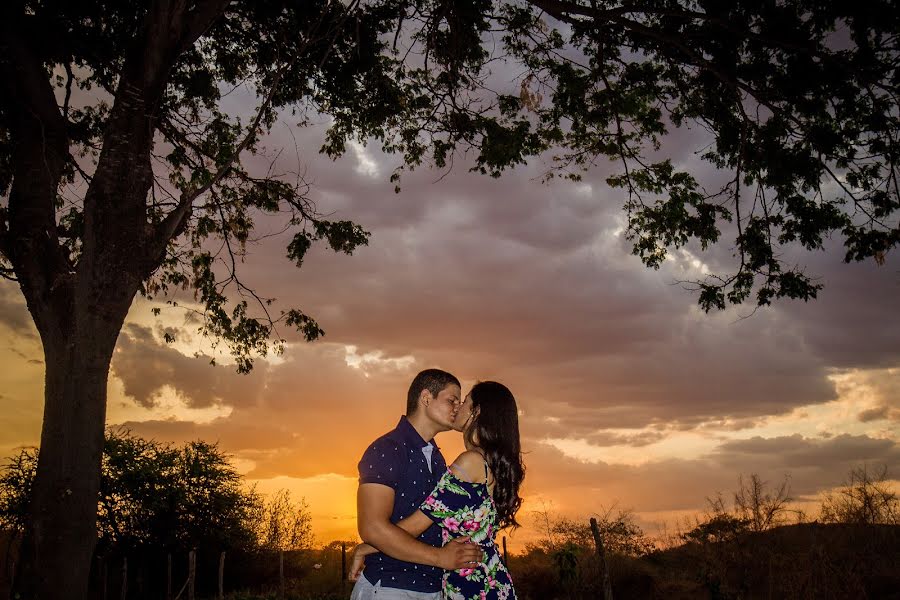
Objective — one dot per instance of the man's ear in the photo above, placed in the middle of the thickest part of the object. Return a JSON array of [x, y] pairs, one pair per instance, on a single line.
[[425, 398]]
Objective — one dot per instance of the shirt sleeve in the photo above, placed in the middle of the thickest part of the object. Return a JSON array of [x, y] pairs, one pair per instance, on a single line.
[[446, 502], [382, 462]]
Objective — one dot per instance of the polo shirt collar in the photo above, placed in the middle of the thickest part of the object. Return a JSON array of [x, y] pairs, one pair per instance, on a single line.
[[410, 435]]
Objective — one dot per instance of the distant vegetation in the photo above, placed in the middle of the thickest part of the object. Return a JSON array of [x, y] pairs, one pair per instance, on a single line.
[[758, 545], [160, 496], [160, 500]]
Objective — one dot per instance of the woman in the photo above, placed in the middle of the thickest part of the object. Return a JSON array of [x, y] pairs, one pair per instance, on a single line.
[[477, 496]]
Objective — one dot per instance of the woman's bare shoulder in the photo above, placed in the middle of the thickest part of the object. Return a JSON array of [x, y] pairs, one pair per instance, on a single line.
[[469, 466]]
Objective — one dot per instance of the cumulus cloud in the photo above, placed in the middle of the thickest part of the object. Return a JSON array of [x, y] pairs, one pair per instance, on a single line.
[[146, 366]]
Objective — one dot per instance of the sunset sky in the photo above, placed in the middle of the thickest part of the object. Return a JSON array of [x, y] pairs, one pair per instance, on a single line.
[[629, 394]]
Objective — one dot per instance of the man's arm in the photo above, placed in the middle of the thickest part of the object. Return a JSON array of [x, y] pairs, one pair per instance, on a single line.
[[374, 505]]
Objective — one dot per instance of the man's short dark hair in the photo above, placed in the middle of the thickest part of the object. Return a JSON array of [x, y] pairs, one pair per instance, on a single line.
[[433, 380]]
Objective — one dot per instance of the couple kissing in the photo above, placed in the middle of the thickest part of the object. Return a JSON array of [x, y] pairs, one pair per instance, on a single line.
[[429, 531]]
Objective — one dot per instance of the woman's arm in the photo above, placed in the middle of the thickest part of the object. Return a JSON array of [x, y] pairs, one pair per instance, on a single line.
[[415, 524]]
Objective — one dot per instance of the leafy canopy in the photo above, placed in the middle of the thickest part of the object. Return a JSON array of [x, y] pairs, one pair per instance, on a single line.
[[798, 98]]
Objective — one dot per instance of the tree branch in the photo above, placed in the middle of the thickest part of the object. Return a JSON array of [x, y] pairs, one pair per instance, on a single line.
[[174, 221], [201, 19], [38, 134]]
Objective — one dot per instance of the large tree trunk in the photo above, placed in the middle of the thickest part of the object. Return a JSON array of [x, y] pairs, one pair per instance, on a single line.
[[79, 306], [59, 544]]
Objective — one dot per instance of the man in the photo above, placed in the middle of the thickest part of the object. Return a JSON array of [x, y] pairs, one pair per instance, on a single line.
[[397, 472]]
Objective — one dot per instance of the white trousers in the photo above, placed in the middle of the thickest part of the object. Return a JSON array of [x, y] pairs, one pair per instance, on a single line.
[[364, 590]]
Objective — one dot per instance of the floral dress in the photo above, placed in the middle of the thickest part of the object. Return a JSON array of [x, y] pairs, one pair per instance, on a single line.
[[463, 508]]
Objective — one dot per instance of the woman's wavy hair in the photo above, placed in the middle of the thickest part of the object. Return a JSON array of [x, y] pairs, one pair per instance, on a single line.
[[495, 430]]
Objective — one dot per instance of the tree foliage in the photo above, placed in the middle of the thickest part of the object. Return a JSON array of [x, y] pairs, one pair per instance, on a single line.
[[799, 102], [16, 480]]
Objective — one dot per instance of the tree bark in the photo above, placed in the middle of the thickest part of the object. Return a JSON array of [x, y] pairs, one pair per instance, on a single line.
[[59, 543]]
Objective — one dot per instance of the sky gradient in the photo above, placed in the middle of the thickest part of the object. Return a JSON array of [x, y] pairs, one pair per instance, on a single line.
[[629, 394]]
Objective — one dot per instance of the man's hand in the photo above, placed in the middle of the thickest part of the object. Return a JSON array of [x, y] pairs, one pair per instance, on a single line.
[[358, 562], [460, 553]]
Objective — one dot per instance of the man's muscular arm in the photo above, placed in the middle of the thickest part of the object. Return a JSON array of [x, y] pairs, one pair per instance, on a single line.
[[374, 504]]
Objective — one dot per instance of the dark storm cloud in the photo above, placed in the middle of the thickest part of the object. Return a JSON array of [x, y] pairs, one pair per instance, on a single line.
[[532, 283], [853, 324], [840, 452], [812, 465]]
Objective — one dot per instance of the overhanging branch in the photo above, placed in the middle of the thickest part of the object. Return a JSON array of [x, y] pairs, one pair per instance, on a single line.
[[174, 221]]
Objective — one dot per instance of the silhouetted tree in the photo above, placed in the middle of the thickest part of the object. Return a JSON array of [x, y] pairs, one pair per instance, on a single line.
[[761, 507], [284, 524], [867, 498], [16, 481], [799, 101], [755, 507], [621, 535]]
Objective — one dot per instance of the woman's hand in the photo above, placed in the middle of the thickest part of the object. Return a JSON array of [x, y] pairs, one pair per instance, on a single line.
[[358, 562]]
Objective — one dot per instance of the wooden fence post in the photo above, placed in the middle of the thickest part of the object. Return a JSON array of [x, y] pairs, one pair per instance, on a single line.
[[604, 568], [192, 572], [104, 577], [124, 578], [169, 576], [343, 566], [221, 595], [281, 575]]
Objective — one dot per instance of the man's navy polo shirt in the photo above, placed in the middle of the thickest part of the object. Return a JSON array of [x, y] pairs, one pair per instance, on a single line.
[[397, 461]]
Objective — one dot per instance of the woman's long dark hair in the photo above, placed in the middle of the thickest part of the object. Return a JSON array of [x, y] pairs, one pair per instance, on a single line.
[[495, 430]]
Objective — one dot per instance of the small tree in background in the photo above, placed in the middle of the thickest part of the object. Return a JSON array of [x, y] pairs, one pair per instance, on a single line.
[[760, 507], [16, 481], [866, 499], [621, 535], [754, 508], [284, 524]]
